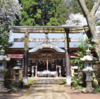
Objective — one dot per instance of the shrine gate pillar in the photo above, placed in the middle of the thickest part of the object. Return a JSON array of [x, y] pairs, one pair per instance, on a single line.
[[26, 47], [67, 58]]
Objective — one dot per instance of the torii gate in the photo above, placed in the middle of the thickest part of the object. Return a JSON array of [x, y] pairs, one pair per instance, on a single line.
[[47, 29]]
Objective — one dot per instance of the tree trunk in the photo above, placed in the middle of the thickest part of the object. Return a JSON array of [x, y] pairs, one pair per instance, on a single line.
[[95, 39], [91, 23], [92, 28]]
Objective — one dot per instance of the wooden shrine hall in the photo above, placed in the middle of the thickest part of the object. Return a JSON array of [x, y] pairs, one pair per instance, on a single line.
[[46, 51]]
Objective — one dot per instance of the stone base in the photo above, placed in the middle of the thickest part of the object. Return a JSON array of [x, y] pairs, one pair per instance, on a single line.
[[88, 90], [68, 80], [25, 80]]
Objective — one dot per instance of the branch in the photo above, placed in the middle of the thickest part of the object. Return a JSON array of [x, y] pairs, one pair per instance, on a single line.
[[83, 7], [95, 7]]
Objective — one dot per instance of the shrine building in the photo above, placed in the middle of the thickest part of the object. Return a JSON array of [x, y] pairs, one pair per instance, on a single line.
[[44, 48]]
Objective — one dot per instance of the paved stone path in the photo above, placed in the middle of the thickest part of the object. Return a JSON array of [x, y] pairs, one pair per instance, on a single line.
[[45, 89]]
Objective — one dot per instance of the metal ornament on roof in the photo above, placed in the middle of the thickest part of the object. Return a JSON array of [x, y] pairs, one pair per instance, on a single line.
[[47, 43]]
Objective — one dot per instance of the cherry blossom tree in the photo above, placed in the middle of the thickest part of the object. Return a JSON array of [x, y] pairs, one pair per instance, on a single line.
[[76, 19], [9, 9]]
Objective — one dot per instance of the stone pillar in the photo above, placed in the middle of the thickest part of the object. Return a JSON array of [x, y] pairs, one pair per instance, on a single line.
[[35, 71], [31, 70], [67, 58], [26, 47], [56, 69], [59, 71], [36, 68]]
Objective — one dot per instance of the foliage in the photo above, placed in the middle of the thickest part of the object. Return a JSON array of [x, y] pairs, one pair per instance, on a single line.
[[9, 9], [76, 19], [80, 87], [13, 87], [49, 12], [85, 44], [4, 42], [89, 4], [97, 89], [74, 7], [75, 16], [42, 13], [75, 81], [62, 82]]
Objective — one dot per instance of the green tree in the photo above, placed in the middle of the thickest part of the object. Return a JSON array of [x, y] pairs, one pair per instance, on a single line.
[[4, 42], [43, 12], [89, 4], [85, 44], [76, 7]]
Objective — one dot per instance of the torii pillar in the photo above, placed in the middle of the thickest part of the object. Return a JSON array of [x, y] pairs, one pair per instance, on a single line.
[[26, 47], [67, 58]]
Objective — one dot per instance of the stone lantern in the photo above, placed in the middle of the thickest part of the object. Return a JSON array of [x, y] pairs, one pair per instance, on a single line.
[[3, 70], [88, 70], [17, 68]]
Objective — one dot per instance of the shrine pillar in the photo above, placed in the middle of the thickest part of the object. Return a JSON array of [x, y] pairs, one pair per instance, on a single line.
[[36, 68], [47, 65], [26, 47], [67, 58], [56, 69]]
